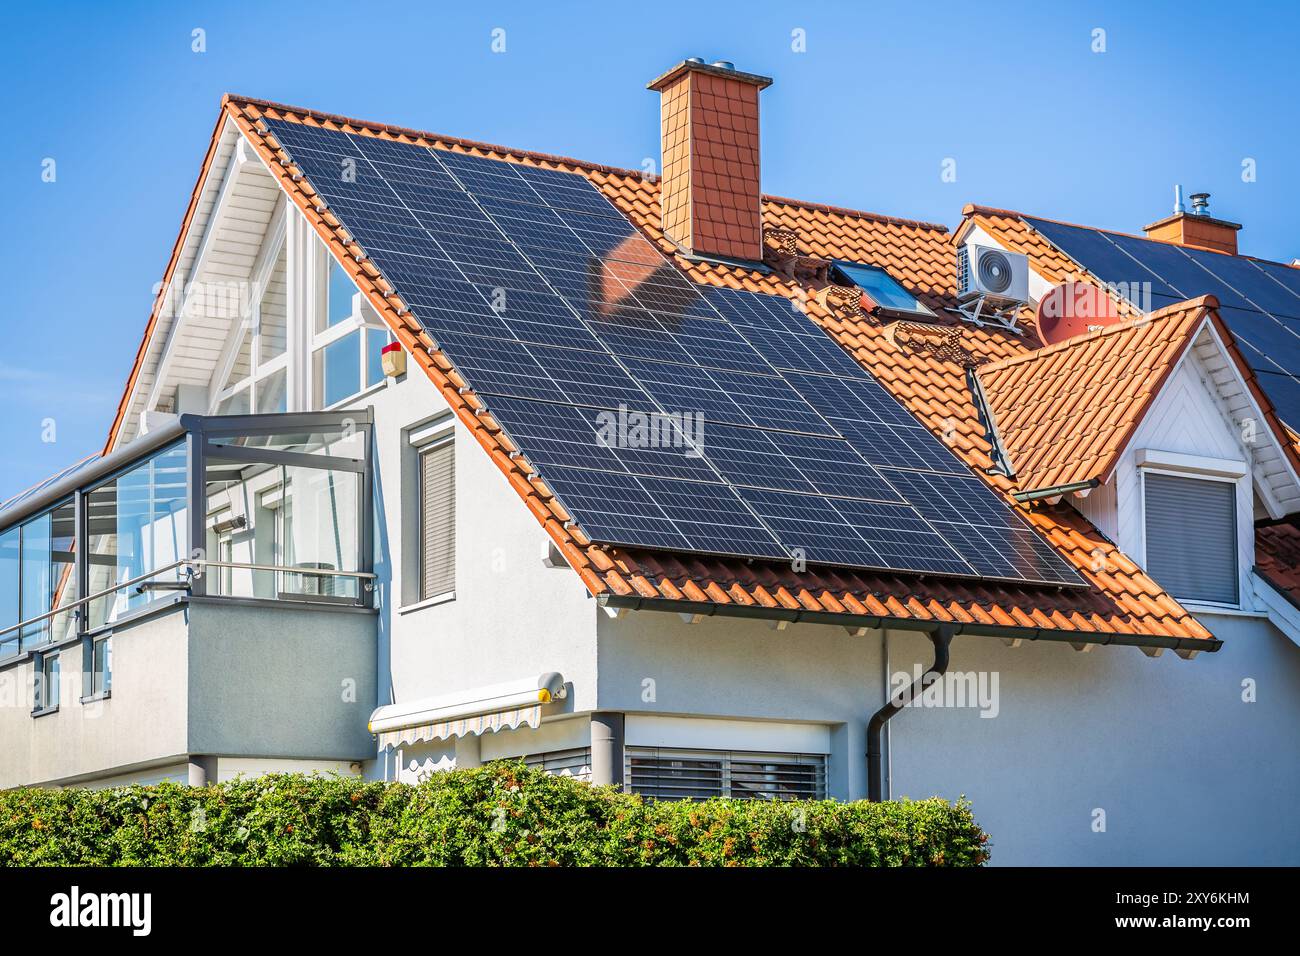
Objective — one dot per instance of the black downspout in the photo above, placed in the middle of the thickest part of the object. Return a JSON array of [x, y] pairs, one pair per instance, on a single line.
[[940, 638]]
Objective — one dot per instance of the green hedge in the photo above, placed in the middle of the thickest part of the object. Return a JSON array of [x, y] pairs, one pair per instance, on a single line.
[[500, 815]]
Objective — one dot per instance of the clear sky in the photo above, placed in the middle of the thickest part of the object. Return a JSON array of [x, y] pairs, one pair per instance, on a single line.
[[1039, 111]]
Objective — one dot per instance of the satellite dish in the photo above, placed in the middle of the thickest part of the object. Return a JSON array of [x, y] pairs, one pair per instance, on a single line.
[[1074, 308]]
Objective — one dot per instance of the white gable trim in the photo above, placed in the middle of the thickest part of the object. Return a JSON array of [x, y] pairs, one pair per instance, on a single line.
[[209, 284], [1284, 615], [1197, 464], [1275, 480]]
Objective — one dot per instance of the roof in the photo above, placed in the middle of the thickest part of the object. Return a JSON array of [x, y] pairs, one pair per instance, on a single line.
[[1030, 418], [1277, 556], [47, 483], [1121, 605], [1065, 412]]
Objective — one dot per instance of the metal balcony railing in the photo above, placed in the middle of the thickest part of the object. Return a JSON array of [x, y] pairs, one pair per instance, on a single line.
[[304, 481]]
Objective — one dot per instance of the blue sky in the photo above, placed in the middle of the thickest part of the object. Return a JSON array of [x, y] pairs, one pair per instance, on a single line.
[[863, 116]]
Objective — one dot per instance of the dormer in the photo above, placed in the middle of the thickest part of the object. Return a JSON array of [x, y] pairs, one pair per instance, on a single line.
[[1156, 430]]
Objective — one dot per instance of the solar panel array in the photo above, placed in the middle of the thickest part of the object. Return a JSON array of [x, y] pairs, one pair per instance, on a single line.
[[662, 414], [1259, 301]]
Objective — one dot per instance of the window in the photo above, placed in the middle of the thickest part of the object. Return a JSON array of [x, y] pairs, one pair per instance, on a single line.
[[101, 667], [437, 520], [347, 342], [285, 505], [1191, 536], [339, 295], [883, 289], [137, 524], [700, 774], [46, 689], [574, 763], [339, 369], [10, 605], [36, 577]]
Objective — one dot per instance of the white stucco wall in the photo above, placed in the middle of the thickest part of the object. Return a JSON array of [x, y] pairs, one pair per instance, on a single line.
[[511, 616], [1185, 770]]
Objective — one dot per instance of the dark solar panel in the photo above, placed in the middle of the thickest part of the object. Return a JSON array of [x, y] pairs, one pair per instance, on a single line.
[[1260, 301], [1093, 251], [661, 414]]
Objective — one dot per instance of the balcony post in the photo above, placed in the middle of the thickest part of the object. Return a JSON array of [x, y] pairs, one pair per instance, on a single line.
[[197, 503]]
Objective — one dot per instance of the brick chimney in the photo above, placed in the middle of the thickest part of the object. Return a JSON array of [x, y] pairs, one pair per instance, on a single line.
[[1196, 228], [710, 189]]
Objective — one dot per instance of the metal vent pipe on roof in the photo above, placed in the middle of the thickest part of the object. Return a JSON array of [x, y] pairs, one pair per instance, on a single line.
[[1178, 200], [723, 64], [1200, 204]]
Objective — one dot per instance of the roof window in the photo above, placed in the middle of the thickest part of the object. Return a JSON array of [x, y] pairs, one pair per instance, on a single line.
[[885, 293]]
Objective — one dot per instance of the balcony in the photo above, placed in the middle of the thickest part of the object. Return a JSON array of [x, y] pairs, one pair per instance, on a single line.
[[206, 590]]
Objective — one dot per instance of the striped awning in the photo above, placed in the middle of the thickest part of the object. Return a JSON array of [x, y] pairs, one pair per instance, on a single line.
[[504, 706], [447, 729]]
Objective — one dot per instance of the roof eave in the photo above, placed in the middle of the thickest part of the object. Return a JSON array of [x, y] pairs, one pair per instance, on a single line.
[[873, 622]]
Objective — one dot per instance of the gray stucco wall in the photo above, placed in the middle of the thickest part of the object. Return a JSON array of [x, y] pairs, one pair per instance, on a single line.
[[281, 681], [143, 723], [211, 678], [1185, 771]]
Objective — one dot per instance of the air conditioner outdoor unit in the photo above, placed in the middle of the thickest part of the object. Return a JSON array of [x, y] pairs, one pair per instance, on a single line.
[[997, 277]]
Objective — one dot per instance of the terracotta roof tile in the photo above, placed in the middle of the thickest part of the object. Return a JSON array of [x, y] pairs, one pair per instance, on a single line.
[[1064, 413], [1277, 556], [1117, 605]]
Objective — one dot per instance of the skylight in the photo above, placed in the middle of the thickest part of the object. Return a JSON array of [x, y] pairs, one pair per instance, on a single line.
[[883, 290]]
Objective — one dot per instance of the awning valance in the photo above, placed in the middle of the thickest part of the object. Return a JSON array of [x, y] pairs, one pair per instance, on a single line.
[[474, 711]]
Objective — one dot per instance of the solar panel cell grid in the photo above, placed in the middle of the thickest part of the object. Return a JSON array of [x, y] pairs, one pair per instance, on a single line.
[[568, 322]]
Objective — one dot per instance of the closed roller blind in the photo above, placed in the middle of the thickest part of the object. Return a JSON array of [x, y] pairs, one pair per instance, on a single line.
[[563, 763], [699, 774], [1191, 531], [437, 521]]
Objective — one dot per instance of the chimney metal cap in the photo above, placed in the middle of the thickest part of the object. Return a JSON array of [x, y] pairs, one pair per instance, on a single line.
[[720, 68]]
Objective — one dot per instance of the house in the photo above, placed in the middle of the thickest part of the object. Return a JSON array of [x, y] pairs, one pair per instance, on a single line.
[[436, 452]]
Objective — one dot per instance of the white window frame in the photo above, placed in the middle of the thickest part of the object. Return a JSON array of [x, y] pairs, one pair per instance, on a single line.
[[1201, 468], [424, 443], [362, 319]]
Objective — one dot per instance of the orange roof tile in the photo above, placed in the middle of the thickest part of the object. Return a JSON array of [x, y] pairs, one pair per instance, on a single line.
[[1277, 556], [1121, 605], [1065, 412], [1010, 229]]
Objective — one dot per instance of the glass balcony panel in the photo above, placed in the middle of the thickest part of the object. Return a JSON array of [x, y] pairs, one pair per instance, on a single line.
[[137, 524], [320, 532], [9, 586], [243, 519]]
